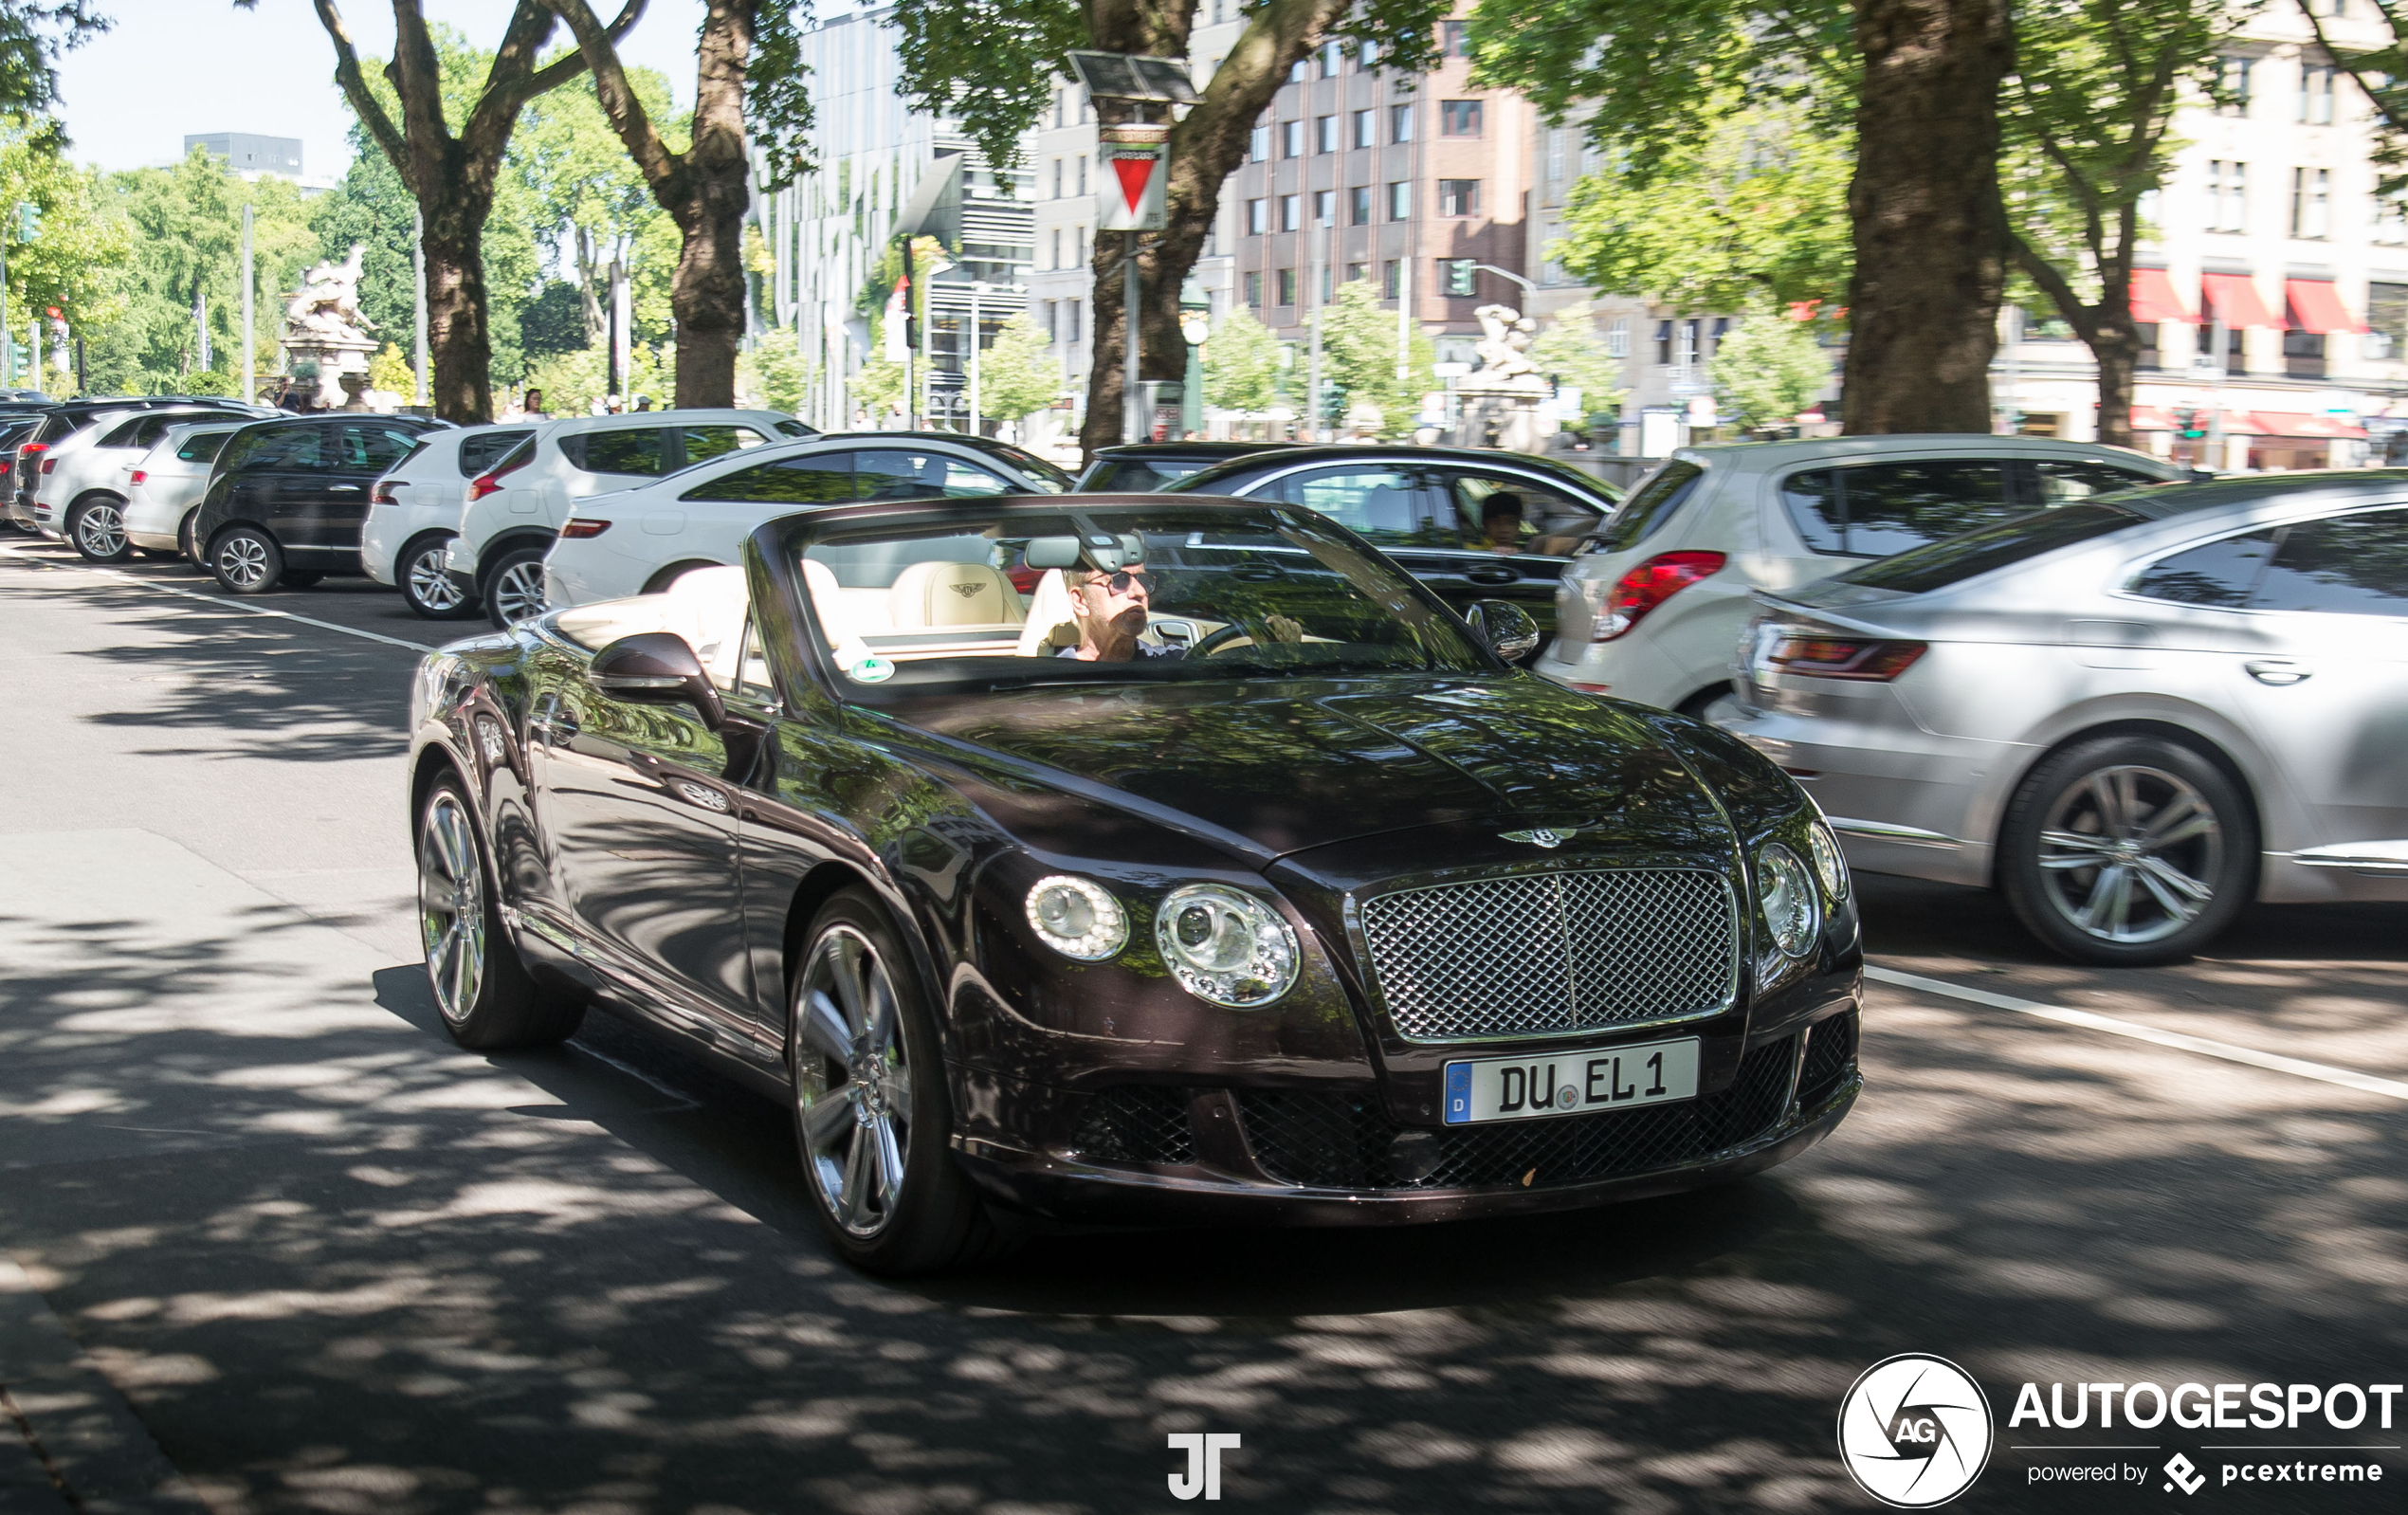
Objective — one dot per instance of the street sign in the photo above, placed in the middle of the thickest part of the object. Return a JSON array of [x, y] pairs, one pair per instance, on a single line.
[[1136, 159], [1116, 75]]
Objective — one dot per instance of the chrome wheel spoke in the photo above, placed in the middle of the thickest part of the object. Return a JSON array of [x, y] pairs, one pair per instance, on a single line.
[[858, 1166], [854, 1132], [899, 1098], [825, 1119], [2110, 900], [2177, 905], [2155, 870], [887, 1160], [823, 1029], [2088, 850], [2176, 821]]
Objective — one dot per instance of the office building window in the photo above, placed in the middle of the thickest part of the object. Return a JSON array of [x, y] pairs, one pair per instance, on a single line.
[[1333, 59], [1358, 206], [1301, 71], [1254, 292], [1401, 123], [1458, 118], [1291, 211], [2391, 221], [1458, 197], [2316, 95], [1617, 337], [1286, 287], [2387, 317], [1053, 313], [1258, 217], [1369, 55], [2232, 86], [1555, 155], [2311, 203], [1366, 129], [2227, 195], [1324, 206], [1258, 144], [1357, 271], [1663, 344], [1400, 200], [1325, 134], [1391, 278], [1057, 179], [1056, 260], [1071, 308], [1454, 38], [1291, 138], [1082, 180], [1685, 345]]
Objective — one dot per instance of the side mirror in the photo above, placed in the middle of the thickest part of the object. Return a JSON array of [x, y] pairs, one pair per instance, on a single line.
[[656, 668], [1505, 627]]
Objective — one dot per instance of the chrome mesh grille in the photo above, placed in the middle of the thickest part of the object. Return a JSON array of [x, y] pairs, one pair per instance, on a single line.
[[1544, 954]]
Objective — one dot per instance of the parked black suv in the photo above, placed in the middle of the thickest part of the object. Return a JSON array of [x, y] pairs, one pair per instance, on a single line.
[[288, 497]]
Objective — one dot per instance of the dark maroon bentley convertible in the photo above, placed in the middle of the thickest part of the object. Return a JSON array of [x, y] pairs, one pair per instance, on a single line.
[[1143, 859]]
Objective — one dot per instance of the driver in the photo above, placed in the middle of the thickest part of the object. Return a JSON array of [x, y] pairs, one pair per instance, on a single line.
[[1109, 609]]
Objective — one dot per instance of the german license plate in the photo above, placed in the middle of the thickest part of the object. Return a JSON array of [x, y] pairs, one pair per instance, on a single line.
[[1522, 1088]]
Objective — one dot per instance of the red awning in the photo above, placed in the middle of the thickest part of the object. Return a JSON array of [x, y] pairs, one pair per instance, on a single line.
[[2154, 300], [2301, 424], [2238, 423], [2234, 297], [2316, 308], [2152, 417]]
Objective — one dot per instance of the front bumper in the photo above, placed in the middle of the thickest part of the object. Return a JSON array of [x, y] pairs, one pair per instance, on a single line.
[[1231, 1175]]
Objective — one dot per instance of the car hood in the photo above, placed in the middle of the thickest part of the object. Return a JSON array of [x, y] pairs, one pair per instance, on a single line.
[[1268, 768]]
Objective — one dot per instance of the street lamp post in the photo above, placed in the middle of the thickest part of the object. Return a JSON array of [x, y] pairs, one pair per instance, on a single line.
[[1528, 286]]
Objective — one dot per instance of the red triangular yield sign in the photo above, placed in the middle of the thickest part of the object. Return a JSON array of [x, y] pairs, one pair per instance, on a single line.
[[1134, 172]]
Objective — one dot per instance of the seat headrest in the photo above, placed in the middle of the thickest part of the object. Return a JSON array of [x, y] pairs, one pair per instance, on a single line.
[[1050, 624], [953, 594]]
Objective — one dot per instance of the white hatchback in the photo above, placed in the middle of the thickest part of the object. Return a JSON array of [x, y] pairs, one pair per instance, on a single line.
[[1653, 610], [515, 509], [414, 512], [164, 488], [639, 541]]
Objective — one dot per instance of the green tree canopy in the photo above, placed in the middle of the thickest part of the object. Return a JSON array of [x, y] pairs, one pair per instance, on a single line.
[[1019, 375], [1359, 348], [1769, 368], [1241, 365]]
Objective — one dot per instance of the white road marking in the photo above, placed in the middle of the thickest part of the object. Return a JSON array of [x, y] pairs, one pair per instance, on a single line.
[[226, 602], [2091, 1020]]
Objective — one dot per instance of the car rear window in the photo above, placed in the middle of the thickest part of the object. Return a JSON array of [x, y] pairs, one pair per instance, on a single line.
[[485, 449], [202, 446], [1919, 570], [632, 450], [1655, 504]]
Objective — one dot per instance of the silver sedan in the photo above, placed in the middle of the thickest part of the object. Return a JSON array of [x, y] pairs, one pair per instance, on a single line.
[[2131, 715]]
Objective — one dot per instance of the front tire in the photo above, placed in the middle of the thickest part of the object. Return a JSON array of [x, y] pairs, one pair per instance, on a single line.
[[428, 590], [486, 997], [95, 528], [244, 561], [2128, 850], [513, 590], [871, 1111]]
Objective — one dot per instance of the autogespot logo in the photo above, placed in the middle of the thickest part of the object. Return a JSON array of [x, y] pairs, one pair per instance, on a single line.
[[1914, 1430]]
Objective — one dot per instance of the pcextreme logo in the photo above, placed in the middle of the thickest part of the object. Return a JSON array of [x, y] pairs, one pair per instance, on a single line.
[[1914, 1430]]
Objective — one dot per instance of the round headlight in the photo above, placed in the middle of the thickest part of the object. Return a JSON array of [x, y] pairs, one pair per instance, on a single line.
[[1830, 865], [1076, 917], [1224, 945], [1787, 896]]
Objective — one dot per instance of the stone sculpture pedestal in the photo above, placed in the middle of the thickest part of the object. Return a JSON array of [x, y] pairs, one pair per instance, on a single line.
[[336, 358], [1510, 417]]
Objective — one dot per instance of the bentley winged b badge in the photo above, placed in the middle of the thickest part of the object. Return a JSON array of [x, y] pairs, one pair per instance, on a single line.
[[1540, 836]]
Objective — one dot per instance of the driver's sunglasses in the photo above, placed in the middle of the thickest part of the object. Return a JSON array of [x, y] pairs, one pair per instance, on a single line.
[[1119, 583]]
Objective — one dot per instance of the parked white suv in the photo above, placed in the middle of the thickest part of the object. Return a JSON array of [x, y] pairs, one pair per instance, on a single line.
[[1653, 610], [515, 509], [414, 512], [164, 490], [78, 488], [641, 540]]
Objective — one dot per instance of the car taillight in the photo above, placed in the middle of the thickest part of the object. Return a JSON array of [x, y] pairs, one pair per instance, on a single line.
[[1867, 660], [1647, 585], [490, 481], [382, 494], [48, 464], [139, 475], [482, 485], [576, 531], [1025, 579]]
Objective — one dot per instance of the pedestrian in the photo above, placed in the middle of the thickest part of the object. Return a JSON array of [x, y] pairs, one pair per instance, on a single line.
[[534, 406], [643, 402]]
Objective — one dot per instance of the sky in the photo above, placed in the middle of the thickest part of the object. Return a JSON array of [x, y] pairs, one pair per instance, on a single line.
[[170, 68]]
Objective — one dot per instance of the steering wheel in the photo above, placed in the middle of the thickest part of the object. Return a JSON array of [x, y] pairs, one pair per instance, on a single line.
[[1211, 642]]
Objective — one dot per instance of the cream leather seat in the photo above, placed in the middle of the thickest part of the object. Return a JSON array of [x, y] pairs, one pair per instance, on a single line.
[[707, 608], [1051, 625], [934, 595]]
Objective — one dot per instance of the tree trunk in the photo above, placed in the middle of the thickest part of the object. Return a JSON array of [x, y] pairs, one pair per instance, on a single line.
[[2118, 353], [459, 341], [711, 190], [1929, 227], [597, 326]]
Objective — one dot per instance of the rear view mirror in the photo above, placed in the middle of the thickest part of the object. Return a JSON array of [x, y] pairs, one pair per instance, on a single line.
[[656, 668], [1052, 552], [1505, 627]]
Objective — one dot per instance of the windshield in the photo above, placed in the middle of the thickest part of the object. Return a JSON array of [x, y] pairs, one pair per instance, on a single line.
[[966, 600]]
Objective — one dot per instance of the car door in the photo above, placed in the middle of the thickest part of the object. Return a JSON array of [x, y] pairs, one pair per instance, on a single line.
[[363, 453], [639, 809], [281, 486], [616, 458], [1552, 524], [1400, 510]]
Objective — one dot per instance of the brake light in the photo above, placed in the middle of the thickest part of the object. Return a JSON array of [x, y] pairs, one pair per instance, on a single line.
[[490, 481], [1649, 585], [577, 531], [382, 494], [1025, 579], [482, 485], [48, 464], [139, 475], [1867, 660]]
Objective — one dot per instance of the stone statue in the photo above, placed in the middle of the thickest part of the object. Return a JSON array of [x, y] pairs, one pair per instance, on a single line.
[[1500, 399], [325, 328]]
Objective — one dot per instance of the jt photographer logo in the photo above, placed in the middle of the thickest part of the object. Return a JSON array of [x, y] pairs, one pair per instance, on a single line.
[[1914, 1430], [1203, 1475]]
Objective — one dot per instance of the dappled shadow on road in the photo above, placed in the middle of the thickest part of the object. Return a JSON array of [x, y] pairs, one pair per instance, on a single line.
[[210, 681], [341, 1265]]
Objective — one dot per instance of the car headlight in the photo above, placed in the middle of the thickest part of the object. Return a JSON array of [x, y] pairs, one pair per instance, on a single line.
[[1787, 896], [1076, 917], [1830, 865], [1224, 945]]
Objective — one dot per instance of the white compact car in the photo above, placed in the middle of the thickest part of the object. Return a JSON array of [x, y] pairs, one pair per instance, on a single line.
[[414, 512], [640, 541], [80, 487], [515, 509], [1652, 612], [164, 487]]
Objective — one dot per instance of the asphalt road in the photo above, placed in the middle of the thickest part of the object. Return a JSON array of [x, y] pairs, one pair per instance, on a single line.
[[269, 1243]]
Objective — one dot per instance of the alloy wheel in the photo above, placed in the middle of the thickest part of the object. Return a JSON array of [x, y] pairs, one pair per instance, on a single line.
[[2126, 853], [517, 592], [243, 560], [852, 1081], [100, 531], [430, 586], [451, 917]]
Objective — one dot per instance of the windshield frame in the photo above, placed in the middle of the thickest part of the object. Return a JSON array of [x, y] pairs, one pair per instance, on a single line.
[[781, 544]]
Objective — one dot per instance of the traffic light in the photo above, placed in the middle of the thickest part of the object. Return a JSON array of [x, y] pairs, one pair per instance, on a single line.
[[1334, 396], [28, 221], [2187, 426], [1461, 276]]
